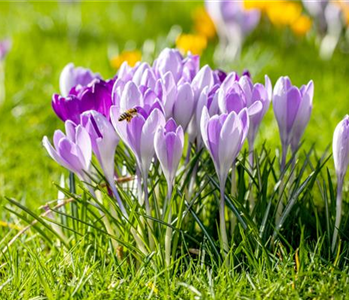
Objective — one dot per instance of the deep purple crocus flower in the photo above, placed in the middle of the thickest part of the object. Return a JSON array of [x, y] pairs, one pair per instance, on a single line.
[[168, 143], [292, 108], [5, 46], [72, 76], [223, 136], [72, 150], [340, 148], [96, 96]]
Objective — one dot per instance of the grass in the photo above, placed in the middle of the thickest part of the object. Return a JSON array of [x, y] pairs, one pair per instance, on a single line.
[[38, 266]]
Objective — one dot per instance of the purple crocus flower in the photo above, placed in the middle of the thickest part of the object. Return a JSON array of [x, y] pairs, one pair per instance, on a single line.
[[104, 141], [139, 133], [182, 69], [223, 136], [340, 147], [96, 96], [191, 66], [72, 151], [5, 46], [169, 60], [184, 105], [72, 76], [255, 93], [168, 143], [292, 109], [207, 99]]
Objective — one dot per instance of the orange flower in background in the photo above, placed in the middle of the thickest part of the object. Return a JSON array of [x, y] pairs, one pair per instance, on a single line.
[[131, 56], [302, 25], [283, 13], [203, 24], [194, 43]]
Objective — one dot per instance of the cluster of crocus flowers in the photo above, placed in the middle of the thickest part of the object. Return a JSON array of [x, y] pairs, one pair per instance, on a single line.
[[152, 109]]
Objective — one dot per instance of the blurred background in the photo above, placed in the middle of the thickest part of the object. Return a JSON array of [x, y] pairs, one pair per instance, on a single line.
[[284, 38]]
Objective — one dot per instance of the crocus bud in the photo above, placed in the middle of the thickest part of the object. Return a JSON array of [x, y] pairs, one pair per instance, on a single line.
[[191, 66], [340, 147], [168, 143], [184, 105], [223, 136], [292, 109], [73, 151], [204, 78], [169, 60], [104, 141], [72, 76], [254, 94]]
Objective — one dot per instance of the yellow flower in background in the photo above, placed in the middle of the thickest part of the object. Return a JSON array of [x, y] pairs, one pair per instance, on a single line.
[[131, 56], [194, 43], [302, 25], [283, 13], [255, 4], [203, 24]]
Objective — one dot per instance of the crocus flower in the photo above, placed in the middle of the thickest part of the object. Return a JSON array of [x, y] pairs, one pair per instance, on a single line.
[[72, 151], [96, 96], [72, 76], [255, 93], [5, 46], [104, 141], [292, 108], [169, 60], [169, 142], [340, 147], [182, 69], [223, 136], [139, 133]]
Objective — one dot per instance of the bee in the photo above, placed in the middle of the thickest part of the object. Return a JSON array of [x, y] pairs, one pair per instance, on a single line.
[[128, 115]]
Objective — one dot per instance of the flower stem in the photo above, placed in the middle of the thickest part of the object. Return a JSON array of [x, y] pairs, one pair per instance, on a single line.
[[233, 180], [251, 161], [148, 210], [280, 207], [338, 212], [223, 229], [139, 186], [118, 199], [168, 236]]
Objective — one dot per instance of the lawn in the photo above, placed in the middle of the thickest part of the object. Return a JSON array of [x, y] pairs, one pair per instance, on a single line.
[[47, 36]]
